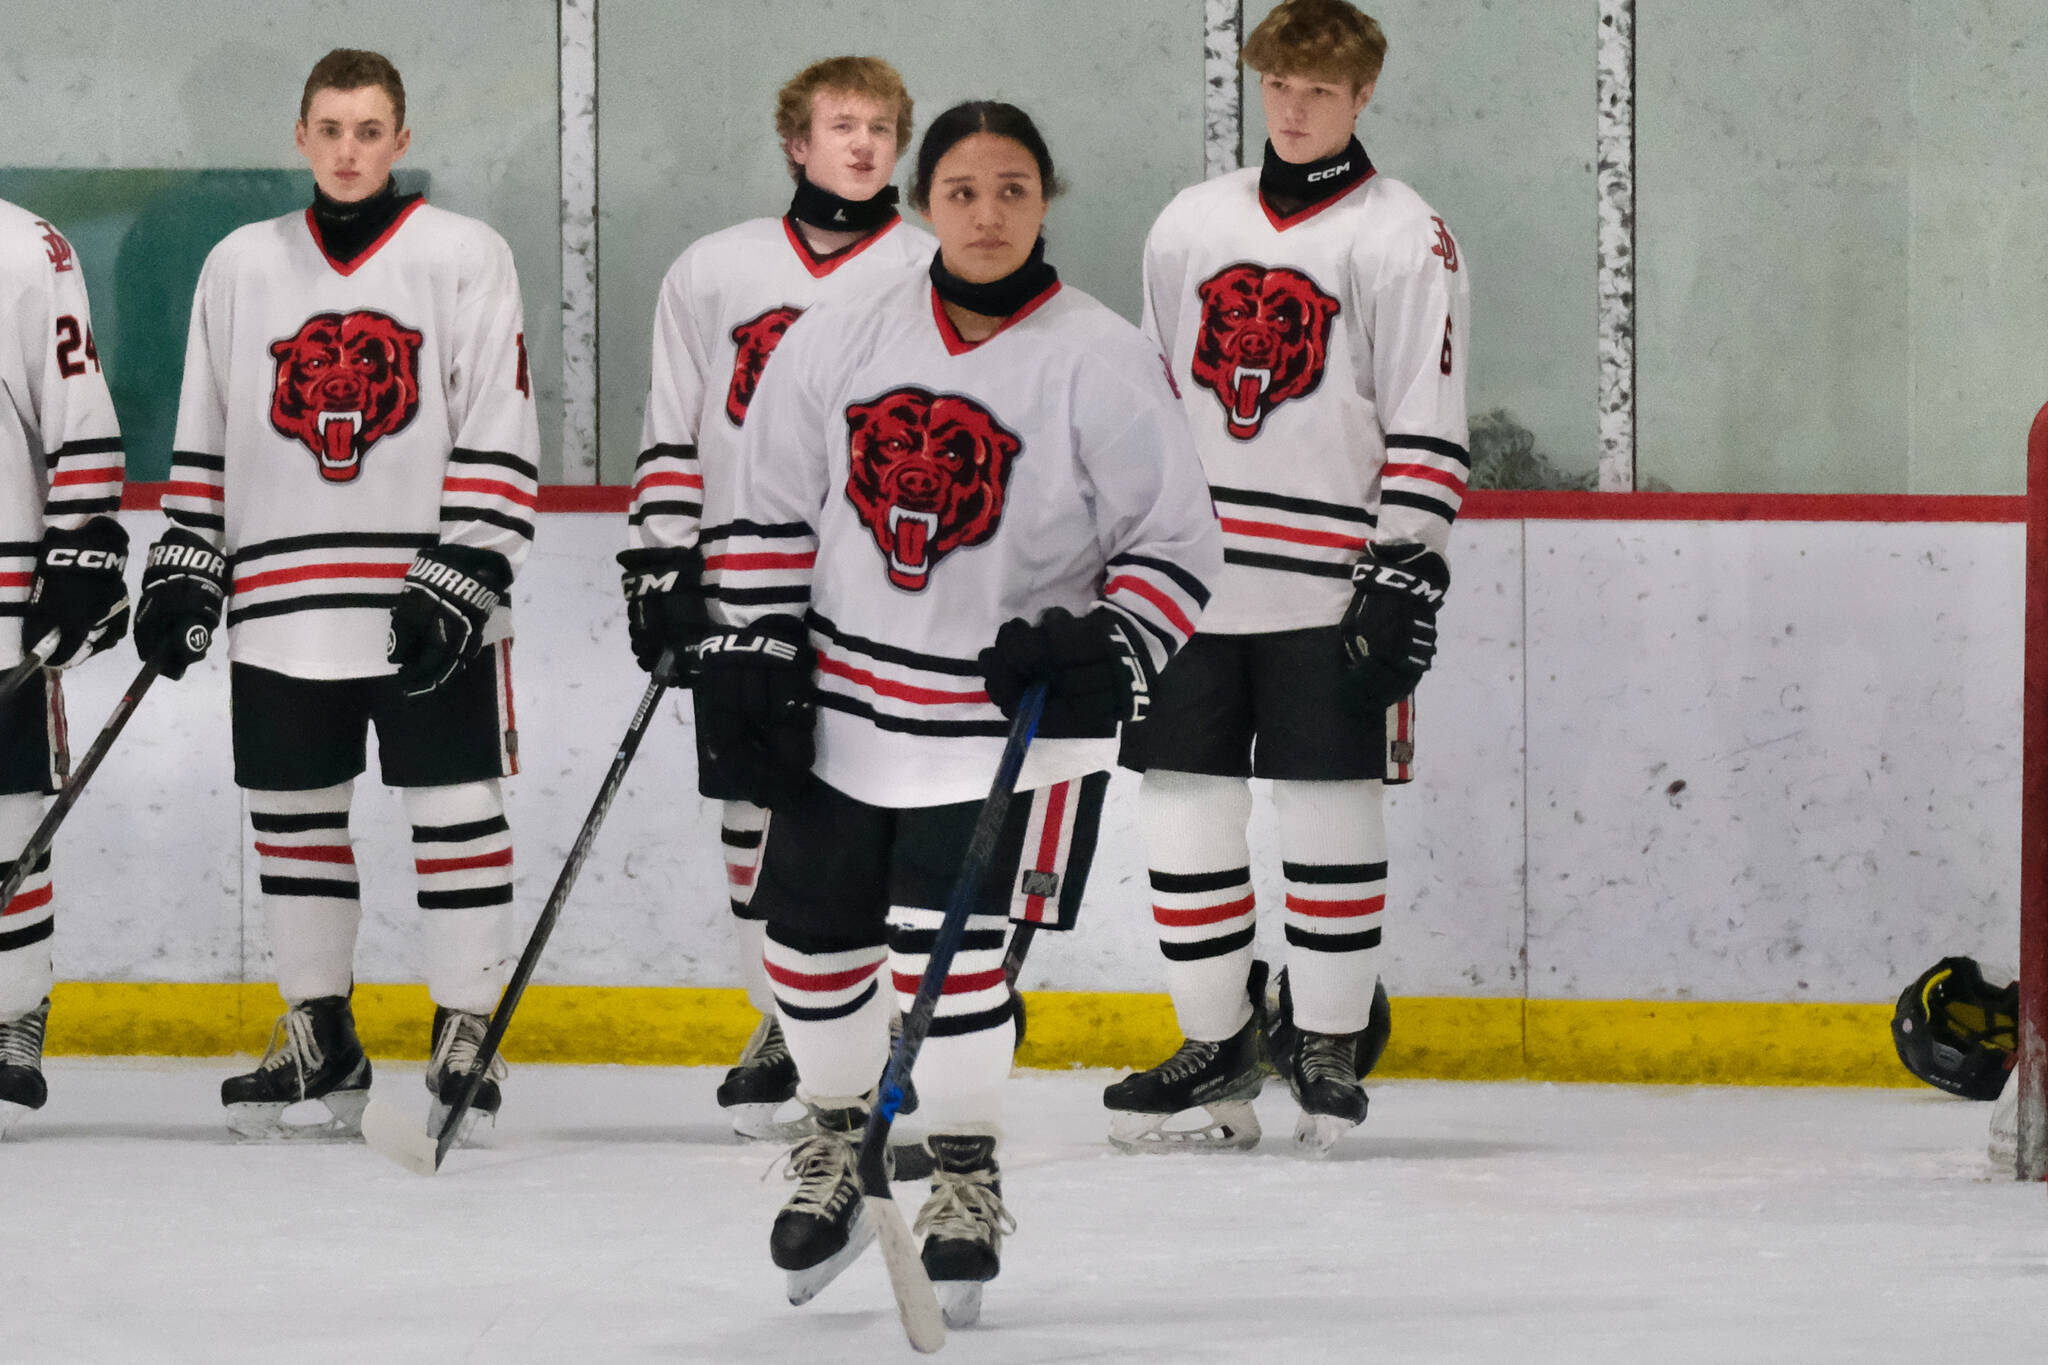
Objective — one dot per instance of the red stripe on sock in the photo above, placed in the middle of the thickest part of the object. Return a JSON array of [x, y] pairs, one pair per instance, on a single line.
[[500, 858], [308, 853], [1207, 914], [1371, 905], [819, 981], [28, 900]]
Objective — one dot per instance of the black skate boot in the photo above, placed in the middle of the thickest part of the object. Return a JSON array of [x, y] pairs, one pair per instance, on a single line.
[[819, 1231], [1279, 1034], [1324, 1078], [21, 1065], [457, 1037], [1222, 1078], [762, 1082], [963, 1223], [313, 1055]]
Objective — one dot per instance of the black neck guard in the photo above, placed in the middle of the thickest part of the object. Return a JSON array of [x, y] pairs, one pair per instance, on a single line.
[[1290, 188], [827, 212], [997, 298], [347, 230]]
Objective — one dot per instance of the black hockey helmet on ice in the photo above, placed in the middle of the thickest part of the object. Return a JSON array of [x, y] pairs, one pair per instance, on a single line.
[[1956, 1031]]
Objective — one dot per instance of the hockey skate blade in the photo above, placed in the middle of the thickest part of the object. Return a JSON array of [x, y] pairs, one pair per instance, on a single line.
[[1232, 1127], [266, 1122], [1316, 1134], [805, 1285], [959, 1302], [758, 1122], [394, 1135], [917, 1303], [10, 1114]]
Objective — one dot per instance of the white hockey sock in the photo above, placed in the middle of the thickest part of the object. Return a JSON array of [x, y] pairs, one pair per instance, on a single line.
[[834, 1014], [743, 831], [1202, 903], [966, 1056], [462, 853], [27, 920], [1333, 849], [311, 902]]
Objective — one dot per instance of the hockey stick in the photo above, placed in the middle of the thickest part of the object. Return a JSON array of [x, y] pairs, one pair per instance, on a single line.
[[388, 1130], [46, 833], [26, 669], [917, 1303]]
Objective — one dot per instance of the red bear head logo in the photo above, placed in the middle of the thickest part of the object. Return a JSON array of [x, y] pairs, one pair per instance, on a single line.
[[756, 338], [928, 475], [1265, 338], [345, 381]]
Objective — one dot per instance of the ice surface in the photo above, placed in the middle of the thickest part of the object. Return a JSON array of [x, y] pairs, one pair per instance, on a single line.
[[613, 1218]]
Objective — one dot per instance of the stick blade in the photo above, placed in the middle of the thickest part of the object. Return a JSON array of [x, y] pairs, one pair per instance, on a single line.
[[917, 1303], [388, 1131]]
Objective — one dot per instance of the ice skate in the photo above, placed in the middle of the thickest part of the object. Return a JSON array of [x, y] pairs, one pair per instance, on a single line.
[[820, 1231], [21, 1066], [1220, 1078], [1323, 1075], [963, 1223], [759, 1086], [1278, 1034], [313, 1055], [457, 1037]]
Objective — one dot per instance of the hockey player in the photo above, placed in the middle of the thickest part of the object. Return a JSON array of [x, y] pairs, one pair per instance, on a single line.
[[354, 479], [62, 596], [1315, 315], [724, 305], [965, 481]]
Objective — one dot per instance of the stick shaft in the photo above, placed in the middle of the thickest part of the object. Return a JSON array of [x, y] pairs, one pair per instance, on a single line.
[[26, 669], [501, 1017], [46, 833]]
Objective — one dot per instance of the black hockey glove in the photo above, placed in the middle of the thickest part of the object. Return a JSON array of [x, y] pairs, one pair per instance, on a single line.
[[183, 587], [1096, 674], [1390, 628], [756, 717], [78, 593], [665, 606], [437, 624]]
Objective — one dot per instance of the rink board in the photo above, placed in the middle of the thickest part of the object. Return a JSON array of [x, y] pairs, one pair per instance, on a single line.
[[1678, 750]]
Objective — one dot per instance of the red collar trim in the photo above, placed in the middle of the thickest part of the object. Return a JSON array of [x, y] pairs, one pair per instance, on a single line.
[[1281, 224], [958, 345], [821, 266], [372, 249]]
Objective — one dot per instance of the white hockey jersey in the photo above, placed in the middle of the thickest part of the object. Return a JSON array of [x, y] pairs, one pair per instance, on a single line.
[[913, 491], [60, 448], [337, 419], [1321, 360], [724, 305]]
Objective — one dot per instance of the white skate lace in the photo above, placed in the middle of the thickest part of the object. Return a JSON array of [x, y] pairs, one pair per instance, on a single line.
[[462, 1036], [766, 1047], [292, 1044], [1325, 1057], [823, 1167], [21, 1042], [1190, 1060], [965, 1206]]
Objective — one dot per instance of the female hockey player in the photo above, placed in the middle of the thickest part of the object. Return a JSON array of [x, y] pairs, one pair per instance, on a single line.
[[354, 475], [724, 305], [61, 592], [1314, 313], [964, 481]]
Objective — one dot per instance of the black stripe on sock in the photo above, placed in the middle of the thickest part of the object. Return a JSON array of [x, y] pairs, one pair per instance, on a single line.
[[22, 938], [1333, 874], [467, 898], [1334, 943], [457, 834], [805, 1014], [273, 822], [954, 1025], [1206, 948], [1192, 883], [309, 886], [739, 838], [906, 940]]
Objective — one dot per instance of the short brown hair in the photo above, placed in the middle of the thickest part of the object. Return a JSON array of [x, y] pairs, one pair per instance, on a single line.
[[348, 68], [1325, 39], [869, 77]]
